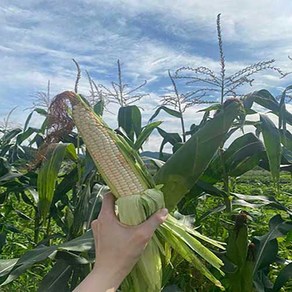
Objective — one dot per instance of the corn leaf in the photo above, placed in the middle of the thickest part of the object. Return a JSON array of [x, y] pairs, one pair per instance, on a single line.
[[267, 246], [171, 138], [180, 231], [6, 266], [284, 275], [99, 107], [145, 133], [171, 112], [181, 247], [266, 99], [243, 154], [286, 139], [48, 174], [129, 118], [179, 174], [82, 243], [37, 110], [258, 201], [272, 142], [28, 260], [57, 279]]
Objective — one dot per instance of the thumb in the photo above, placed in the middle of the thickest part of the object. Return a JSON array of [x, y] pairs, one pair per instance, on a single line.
[[153, 222], [108, 205]]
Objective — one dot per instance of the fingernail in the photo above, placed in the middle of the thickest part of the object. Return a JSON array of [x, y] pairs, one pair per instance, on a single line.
[[164, 212]]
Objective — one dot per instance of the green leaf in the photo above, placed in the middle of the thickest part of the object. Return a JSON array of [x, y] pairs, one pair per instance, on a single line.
[[286, 139], [213, 107], [272, 141], [57, 279], [28, 260], [145, 133], [37, 110], [171, 288], [284, 275], [71, 258], [258, 201], [129, 118], [171, 138], [41, 111], [25, 135], [266, 99], [8, 136], [6, 266], [267, 247], [179, 174], [243, 154], [171, 112], [82, 243], [48, 174], [9, 177], [184, 248], [27, 121]]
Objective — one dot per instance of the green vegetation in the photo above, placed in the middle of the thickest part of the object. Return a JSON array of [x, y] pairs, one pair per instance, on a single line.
[[234, 198], [51, 191]]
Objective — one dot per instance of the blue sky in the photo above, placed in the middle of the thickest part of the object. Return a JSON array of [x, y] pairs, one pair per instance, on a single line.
[[38, 40]]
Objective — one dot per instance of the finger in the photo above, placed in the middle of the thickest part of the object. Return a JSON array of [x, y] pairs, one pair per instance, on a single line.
[[108, 205], [153, 222]]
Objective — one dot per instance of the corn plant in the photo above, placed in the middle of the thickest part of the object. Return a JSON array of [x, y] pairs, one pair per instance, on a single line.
[[208, 83]]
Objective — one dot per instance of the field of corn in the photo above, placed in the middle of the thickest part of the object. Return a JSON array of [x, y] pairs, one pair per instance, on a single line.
[[226, 181], [230, 224]]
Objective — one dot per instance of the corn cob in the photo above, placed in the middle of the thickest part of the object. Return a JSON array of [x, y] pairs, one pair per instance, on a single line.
[[137, 198], [113, 165]]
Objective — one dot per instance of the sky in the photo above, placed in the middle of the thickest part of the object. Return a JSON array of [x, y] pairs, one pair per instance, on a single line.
[[39, 39]]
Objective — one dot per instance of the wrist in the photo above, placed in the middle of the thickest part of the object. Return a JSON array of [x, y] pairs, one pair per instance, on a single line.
[[108, 278], [100, 280]]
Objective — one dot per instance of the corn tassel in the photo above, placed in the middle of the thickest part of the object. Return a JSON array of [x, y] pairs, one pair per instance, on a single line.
[[138, 198]]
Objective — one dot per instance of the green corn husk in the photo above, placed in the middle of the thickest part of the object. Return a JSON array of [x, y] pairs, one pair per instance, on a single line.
[[147, 273]]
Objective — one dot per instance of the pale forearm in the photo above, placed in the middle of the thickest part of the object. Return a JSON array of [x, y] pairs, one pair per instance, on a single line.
[[100, 281]]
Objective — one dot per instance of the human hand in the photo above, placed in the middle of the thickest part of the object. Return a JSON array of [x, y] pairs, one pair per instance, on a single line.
[[117, 246]]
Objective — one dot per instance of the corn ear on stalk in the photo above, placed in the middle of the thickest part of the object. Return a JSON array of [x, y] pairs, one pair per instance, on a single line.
[[137, 199], [237, 252]]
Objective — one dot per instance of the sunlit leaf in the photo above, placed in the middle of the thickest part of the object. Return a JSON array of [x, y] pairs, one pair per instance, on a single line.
[[48, 174], [179, 174], [145, 133], [272, 142]]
